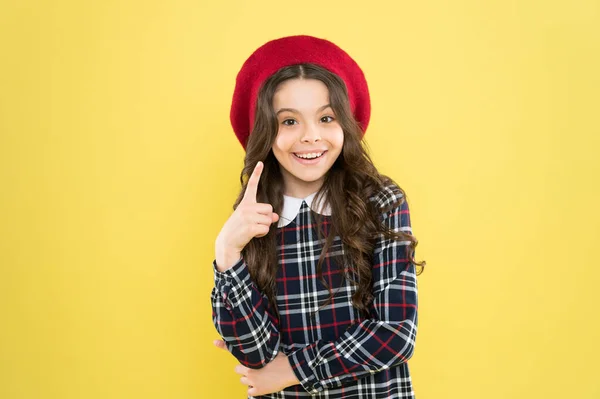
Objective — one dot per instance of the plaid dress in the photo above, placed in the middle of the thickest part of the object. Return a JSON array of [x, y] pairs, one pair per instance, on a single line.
[[334, 352]]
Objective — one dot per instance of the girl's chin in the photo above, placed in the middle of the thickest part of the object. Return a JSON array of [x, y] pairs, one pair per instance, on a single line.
[[308, 177]]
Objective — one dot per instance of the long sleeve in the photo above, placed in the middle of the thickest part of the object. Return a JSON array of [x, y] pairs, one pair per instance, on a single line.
[[242, 316], [380, 342]]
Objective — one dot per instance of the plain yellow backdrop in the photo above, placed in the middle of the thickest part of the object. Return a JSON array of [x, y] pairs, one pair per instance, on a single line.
[[118, 167]]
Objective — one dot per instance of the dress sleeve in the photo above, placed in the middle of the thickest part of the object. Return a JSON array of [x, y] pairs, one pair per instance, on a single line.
[[380, 342], [243, 317]]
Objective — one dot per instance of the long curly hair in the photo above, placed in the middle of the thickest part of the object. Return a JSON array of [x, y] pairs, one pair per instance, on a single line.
[[347, 187]]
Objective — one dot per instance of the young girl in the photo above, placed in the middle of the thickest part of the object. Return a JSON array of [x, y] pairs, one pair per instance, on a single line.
[[315, 280]]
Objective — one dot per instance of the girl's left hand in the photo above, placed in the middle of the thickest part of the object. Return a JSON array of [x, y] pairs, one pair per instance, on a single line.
[[273, 377]]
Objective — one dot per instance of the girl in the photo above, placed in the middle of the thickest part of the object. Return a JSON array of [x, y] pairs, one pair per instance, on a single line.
[[315, 280]]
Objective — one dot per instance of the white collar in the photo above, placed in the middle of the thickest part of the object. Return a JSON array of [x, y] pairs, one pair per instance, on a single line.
[[291, 207]]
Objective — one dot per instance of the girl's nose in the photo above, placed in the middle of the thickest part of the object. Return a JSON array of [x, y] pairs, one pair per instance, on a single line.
[[311, 135]]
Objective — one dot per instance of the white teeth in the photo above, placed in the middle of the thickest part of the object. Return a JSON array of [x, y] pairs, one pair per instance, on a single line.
[[311, 155]]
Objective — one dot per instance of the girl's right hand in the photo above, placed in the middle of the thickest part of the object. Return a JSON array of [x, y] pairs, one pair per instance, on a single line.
[[250, 219]]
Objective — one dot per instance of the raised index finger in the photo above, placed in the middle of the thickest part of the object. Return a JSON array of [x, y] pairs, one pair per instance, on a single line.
[[252, 186]]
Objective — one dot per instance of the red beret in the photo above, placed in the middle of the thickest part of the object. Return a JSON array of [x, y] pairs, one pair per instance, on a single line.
[[282, 52]]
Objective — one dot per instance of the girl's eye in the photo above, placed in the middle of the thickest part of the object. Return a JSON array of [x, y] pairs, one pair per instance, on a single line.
[[327, 119], [285, 122]]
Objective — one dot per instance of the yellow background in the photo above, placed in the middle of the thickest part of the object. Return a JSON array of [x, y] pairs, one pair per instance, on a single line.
[[118, 167]]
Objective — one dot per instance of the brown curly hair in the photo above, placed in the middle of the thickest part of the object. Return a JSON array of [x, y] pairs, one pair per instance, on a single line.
[[347, 187]]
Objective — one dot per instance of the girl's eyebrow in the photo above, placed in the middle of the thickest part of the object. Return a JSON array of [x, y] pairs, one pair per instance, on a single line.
[[296, 111]]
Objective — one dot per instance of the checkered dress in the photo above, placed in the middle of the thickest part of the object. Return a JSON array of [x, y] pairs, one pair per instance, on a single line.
[[334, 352]]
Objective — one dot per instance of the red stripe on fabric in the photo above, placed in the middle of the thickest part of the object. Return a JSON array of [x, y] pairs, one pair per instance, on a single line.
[[339, 358], [389, 262], [333, 312], [285, 286], [384, 344]]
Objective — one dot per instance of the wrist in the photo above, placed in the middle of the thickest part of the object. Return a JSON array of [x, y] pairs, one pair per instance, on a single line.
[[227, 261], [226, 258]]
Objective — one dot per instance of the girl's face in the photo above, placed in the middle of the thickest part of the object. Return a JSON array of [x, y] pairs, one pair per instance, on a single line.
[[309, 138]]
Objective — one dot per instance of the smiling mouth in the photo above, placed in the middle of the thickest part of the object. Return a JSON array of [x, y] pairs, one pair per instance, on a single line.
[[309, 156]]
